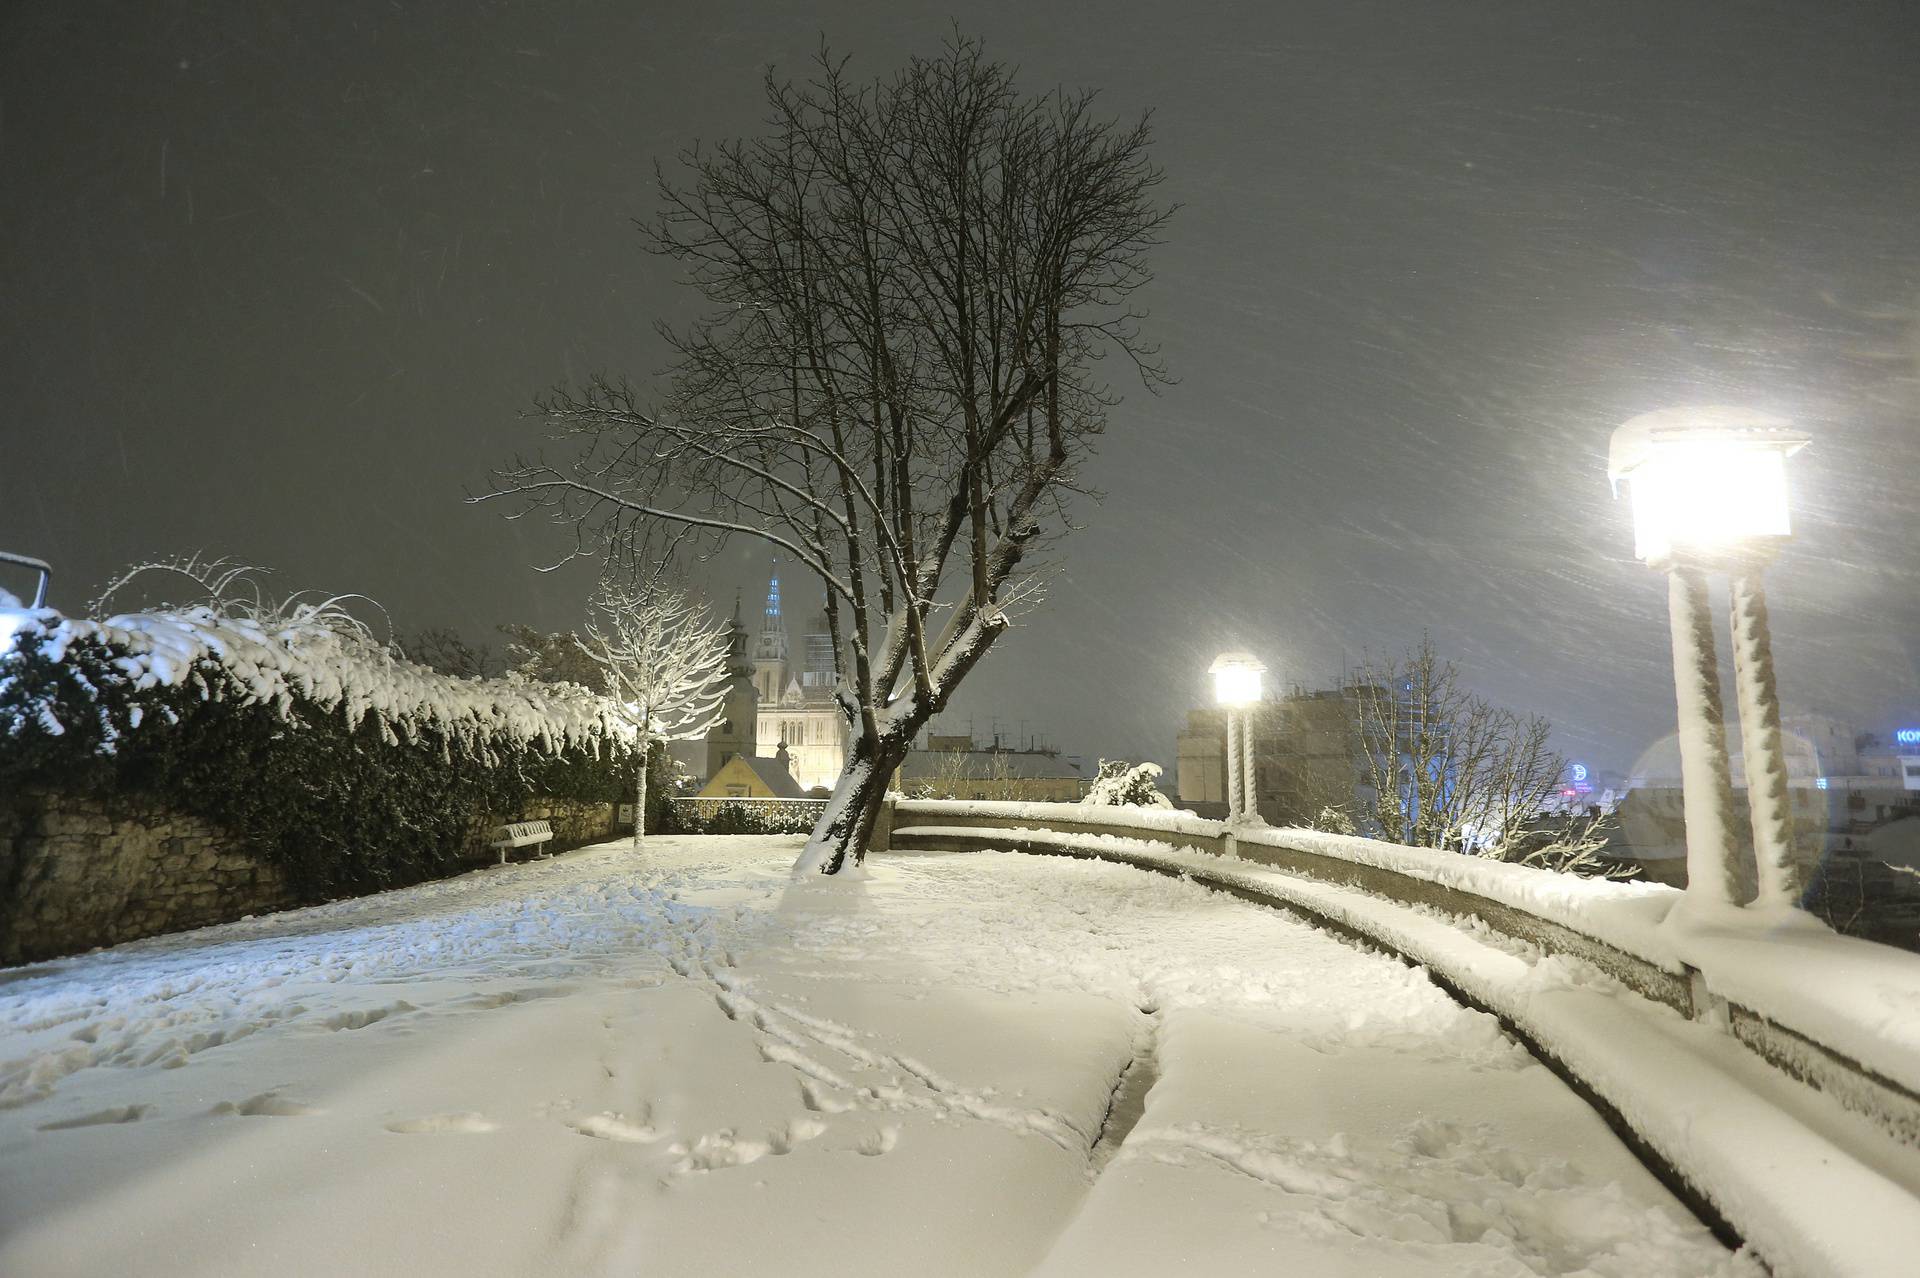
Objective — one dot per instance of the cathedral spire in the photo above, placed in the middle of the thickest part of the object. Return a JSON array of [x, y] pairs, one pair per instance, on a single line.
[[771, 649], [772, 621]]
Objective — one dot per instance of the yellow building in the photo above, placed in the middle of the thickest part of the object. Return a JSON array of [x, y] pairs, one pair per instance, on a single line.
[[746, 777]]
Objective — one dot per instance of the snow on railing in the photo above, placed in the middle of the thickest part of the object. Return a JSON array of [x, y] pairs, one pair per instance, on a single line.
[[273, 665]]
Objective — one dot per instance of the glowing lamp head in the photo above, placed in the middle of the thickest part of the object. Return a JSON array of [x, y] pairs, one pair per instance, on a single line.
[[1236, 678], [1704, 480]]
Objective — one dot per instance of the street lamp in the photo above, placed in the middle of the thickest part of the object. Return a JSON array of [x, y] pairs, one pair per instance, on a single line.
[[1709, 488], [1236, 686]]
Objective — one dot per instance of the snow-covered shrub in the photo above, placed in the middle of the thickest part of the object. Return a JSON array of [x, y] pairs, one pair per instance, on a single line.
[[1334, 820], [747, 817], [1124, 784], [1576, 846], [289, 724]]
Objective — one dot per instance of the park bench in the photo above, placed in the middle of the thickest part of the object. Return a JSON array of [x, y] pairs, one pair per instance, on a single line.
[[520, 834]]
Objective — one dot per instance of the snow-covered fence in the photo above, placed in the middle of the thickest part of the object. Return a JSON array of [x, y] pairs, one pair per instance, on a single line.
[[1829, 1011]]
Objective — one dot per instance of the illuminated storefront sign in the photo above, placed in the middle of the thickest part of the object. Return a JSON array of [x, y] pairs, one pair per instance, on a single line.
[[1907, 736]]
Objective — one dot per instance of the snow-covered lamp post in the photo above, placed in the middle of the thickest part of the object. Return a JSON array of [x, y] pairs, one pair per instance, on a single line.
[[1236, 686], [1709, 489]]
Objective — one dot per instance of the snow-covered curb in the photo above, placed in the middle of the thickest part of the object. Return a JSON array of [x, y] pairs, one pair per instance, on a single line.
[[1795, 1179], [1626, 916]]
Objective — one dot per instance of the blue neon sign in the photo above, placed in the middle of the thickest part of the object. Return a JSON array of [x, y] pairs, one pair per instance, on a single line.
[[1907, 736]]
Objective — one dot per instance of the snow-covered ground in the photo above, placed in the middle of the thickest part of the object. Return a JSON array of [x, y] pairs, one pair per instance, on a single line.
[[683, 1062]]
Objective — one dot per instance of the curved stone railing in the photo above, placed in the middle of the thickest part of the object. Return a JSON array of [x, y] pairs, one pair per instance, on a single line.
[[1839, 1015]]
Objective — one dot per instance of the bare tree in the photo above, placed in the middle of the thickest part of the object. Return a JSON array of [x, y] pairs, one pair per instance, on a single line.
[[551, 657], [664, 663], [1445, 768], [912, 279], [945, 777], [439, 648]]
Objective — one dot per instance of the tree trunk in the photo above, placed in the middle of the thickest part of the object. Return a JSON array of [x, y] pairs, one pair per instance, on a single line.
[[841, 835], [640, 800]]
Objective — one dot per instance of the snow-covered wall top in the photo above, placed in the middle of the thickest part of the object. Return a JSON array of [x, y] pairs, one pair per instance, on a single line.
[[276, 664], [1170, 820]]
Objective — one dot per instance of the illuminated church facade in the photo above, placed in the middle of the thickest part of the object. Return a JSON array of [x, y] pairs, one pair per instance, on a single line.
[[794, 695]]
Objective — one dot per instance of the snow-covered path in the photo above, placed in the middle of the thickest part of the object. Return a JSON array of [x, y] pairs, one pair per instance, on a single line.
[[685, 1063]]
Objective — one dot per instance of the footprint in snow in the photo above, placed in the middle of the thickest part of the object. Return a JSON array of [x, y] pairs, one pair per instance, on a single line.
[[464, 1120], [367, 1016], [881, 1141], [267, 1105], [796, 1131], [119, 1114], [716, 1150], [616, 1127], [823, 1100]]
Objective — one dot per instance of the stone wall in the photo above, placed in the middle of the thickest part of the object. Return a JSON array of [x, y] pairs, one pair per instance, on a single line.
[[574, 824], [81, 871]]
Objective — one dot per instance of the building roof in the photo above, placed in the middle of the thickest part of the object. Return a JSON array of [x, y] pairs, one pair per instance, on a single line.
[[988, 764], [770, 772], [774, 775]]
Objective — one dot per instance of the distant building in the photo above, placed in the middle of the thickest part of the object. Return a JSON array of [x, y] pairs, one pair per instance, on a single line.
[[1304, 758], [796, 697], [774, 703], [736, 733], [958, 768], [1852, 801]]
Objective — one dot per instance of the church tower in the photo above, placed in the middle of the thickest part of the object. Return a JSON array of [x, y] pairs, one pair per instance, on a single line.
[[738, 730], [770, 650]]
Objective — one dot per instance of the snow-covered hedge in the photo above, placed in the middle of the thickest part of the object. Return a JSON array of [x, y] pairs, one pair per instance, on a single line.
[[351, 767]]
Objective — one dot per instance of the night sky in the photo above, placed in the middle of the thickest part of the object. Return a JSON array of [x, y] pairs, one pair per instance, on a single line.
[[278, 280]]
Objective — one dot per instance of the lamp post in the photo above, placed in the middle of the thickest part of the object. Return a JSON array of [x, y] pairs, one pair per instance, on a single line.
[[1236, 686], [1709, 488]]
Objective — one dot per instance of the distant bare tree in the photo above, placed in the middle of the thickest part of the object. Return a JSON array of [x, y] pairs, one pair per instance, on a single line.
[[965, 774], [551, 657], [912, 278], [664, 663], [1444, 767], [945, 778], [439, 648]]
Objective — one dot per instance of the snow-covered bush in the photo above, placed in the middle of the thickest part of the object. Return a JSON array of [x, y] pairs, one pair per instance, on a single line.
[[1334, 820], [1576, 846], [746, 817], [1124, 784], [289, 723]]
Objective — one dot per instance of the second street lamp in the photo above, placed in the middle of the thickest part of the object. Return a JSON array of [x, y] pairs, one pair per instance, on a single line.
[[1709, 490], [1236, 686]]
